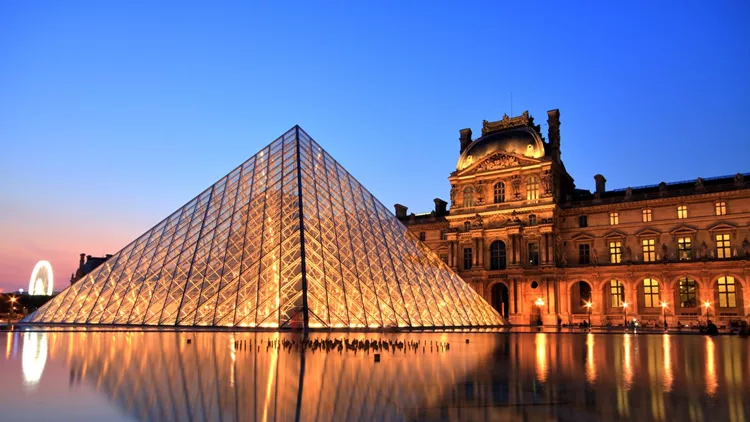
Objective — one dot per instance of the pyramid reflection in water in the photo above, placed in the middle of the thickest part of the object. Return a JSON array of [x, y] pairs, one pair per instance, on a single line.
[[288, 239]]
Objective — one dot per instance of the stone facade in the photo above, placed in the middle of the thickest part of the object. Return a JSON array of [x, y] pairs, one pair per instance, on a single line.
[[535, 247]]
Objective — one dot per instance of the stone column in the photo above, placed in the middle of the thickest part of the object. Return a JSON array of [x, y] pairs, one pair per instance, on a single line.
[[543, 249], [475, 252], [480, 253], [451, 254]]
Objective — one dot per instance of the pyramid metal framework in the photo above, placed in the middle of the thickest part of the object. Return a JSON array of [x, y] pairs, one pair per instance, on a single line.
[[288, 239]]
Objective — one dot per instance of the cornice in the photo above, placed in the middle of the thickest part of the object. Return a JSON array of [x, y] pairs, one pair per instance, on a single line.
[[645, 203]]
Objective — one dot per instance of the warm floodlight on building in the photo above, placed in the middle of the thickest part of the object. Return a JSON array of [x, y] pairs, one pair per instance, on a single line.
[[539, 302], [41, 279]]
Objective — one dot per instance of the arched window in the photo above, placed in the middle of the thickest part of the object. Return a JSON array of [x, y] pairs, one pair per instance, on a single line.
[[532, 188], [727, 292], [617, 293], [468, 196], [499, 190], [497, 255], [650, 293], [688, 293]]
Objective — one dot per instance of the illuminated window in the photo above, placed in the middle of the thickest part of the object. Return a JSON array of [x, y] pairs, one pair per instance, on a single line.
[[467, 226], [615, 252], [467, 258], [443, 235], [499, 192], [682, 211], [721, 208], [688, 293], [583, 221], [684, 248], [649, 250], [468, 196], [723, 246], [584, 254], [422, 236], [532, 219], [497, 255], [617, 293], [614, 218], [727, 292], [646, 214], [533, 254], [532, 188], [651, 293]]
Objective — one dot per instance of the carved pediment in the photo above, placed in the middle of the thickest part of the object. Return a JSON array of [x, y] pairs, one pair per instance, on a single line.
[[722, 226], [614, 234], [582, 237], [501, 160], [686, 230], [648, 232]]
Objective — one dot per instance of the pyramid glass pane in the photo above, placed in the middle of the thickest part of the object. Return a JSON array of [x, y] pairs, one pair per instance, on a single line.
[[288, 239]]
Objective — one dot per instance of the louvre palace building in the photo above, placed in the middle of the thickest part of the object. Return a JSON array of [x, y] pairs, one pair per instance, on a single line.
[[536, 248]]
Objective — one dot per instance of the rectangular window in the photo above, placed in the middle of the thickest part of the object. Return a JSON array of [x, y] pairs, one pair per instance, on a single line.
[[727, 292], [682, 211], [649, 250], [651, 293], [584, 254], [533, 254], [617, 293], [684, 248], [614, 218], [723, 246], [721, 208], [467, 258], [646, 215], [583, 221], [422, 236], [615, 252], [688, 293]]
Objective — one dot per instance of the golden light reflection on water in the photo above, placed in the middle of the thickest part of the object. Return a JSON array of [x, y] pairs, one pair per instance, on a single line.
[[590, 362], [628, 360], [540, 339], [711, 382], [34, 358], [667, 375]]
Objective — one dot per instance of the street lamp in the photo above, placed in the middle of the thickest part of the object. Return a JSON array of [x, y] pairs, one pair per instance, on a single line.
[[625, 317], [12, 308], [588, 307], [539, 303], [664, 313], [707, 305]]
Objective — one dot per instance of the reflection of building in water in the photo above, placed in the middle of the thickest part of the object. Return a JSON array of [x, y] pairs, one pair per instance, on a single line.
[[33, 358], [518, 230]]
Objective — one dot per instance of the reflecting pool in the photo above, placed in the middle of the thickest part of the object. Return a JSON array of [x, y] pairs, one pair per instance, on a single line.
[[223, 376]]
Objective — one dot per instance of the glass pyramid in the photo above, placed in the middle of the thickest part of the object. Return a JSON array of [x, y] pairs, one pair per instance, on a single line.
[[288, 239]]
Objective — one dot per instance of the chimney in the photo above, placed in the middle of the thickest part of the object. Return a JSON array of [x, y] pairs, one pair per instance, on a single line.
[[400, 210], [465, 138], [81, 262], [440, 207], [600, 184], [553, 132]]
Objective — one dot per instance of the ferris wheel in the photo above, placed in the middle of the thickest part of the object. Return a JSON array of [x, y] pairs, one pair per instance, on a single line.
[[41, 279]]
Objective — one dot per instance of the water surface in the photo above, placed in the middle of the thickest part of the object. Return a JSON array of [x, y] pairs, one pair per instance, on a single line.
[[222, 376]]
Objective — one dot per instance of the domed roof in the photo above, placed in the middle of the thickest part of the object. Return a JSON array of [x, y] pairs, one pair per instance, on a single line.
[[522, 141]]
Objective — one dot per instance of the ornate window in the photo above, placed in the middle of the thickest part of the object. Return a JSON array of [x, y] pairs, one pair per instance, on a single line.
[[688, 293], [467, 226], [467, 258], [533, 254], [650, 293], [468, 196], [646, 214], [649, 250], [616, 293], [614, 218], [584, 254], [727, 292], [682, 211], [583, 221], [684, 248], [723, 246], [721, 208], [532, 188], [422, 236], [615, 252], [532, 219], [499, 191], [497, 255]]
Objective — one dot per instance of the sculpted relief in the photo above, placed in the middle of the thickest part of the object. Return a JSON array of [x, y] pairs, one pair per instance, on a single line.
[[498, 161]]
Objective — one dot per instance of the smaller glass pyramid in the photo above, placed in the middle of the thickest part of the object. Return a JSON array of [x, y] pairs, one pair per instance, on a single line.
[[288, 239]]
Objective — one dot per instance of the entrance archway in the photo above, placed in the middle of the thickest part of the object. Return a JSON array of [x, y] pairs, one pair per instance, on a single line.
[[500, 299], [580, 293]]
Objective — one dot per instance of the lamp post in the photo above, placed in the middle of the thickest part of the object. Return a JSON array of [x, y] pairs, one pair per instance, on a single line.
[[12, 308], [539, 303], [625, 317], [707, 305], [588, 307], [664, 313]]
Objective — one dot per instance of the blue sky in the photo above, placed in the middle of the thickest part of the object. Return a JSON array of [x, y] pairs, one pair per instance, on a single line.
[[113, 114]]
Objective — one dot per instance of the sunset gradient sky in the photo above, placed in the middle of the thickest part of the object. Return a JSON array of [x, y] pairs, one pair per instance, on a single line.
[[114, 114]]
